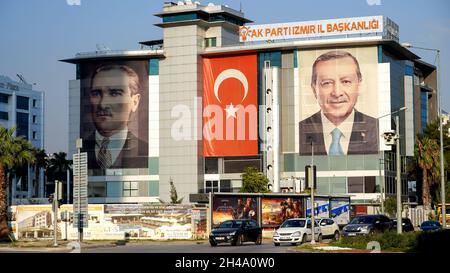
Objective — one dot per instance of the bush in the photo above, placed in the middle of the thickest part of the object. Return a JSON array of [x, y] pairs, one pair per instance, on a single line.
[[433, 242], [387, 240]]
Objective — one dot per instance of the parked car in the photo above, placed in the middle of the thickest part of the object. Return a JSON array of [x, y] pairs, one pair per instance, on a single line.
[[296, 230], [430, 225], [407, 225], [367, 224], [329, 228], [236, 232]]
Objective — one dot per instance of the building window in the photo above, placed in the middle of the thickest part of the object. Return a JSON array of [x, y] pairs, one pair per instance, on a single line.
[[22, 124], [424, 109], [211, 165], [130, 189], [211, 42], [225, 186], [34, 134], [34, 119], [22, 103], [97, 189], [211, 186], [4, 98], [3, 115], [355, 184], [34, 102]]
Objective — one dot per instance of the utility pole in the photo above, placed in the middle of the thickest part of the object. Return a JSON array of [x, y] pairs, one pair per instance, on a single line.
[[313, 241], [399, 178]]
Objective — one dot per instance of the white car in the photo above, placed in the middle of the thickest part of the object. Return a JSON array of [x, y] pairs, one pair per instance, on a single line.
[[296, 230], [329, 228]]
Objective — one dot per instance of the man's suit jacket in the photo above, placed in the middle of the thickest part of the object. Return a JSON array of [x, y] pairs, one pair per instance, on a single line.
[[363, 140], [134, 153]]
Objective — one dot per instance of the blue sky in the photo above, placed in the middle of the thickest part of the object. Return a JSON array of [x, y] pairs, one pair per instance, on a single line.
[[38, 33]]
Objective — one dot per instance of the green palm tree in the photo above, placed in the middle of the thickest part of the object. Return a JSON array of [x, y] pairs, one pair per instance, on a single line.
[[426, 153], [41, 162], [14, 151], [58, 166]]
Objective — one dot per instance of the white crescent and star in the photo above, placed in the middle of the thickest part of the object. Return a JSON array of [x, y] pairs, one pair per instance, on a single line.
[[226, 74]]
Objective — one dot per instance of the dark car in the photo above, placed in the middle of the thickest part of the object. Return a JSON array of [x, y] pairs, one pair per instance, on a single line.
[[407, 225], [236, 232], [367, 224], [430, 225]]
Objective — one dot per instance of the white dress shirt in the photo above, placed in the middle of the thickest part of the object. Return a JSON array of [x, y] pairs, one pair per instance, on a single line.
[[116, 143], [345, 127]]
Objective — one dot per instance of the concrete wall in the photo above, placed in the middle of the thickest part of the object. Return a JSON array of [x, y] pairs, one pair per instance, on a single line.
[[180, 85]]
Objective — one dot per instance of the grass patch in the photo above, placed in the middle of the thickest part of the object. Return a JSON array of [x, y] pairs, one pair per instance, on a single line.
[[412, 242]]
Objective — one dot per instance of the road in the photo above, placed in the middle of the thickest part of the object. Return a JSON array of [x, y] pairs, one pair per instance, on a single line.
[[191, 247]]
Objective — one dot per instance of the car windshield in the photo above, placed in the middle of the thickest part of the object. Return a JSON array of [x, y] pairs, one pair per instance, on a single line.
[[231, 224], [362, 220], [293, 223]]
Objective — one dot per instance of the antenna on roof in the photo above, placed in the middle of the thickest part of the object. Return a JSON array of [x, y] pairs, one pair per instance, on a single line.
[[21, 78], [240, 6]]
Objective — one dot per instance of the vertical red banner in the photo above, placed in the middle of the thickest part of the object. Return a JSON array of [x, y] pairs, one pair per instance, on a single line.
[[230, 106]]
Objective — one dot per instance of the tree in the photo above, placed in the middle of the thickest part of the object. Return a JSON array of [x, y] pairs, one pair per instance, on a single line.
[[173, 194], [254, 181], [390, 206], [426, 153], [58, 165], [41, 162], [14, 151]]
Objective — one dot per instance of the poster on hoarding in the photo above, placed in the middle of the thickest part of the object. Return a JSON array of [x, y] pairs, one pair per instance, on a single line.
[[158, 222], [114, 113], [233, 207], [276, 210], [322, 209], [230, 104], [340, 210], [338, 101]]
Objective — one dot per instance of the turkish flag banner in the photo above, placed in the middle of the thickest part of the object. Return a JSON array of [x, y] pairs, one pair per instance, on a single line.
[[230, 106]]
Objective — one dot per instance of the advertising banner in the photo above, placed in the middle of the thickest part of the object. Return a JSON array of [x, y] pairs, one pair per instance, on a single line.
[[233, 207], [230, 104], [340, 210], [276, 210], [114, 114], [308, 29], [322, 209], [151, 221], [338, 101]]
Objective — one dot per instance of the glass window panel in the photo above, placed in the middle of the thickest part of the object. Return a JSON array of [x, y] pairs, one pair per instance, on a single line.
[[355, 184]]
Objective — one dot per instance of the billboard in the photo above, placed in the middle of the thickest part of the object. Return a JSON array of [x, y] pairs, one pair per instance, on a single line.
[[340, 210], [276, 210], [230, 104], [233, 207], [322, 208], [114, 113], [338, 101], [309, 29]]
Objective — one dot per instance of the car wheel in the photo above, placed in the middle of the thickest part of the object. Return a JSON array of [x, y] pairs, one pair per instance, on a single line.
[[276, 244], [319, 238], [336, 235], [304, 239], [258, 240], [239, 240], [212, 243]]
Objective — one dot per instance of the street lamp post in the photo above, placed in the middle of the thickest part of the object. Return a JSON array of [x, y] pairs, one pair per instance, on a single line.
[[399, 177], [438, 61]]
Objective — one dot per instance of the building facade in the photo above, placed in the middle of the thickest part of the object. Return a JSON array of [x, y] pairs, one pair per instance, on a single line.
[[23, 108], [220, 95]]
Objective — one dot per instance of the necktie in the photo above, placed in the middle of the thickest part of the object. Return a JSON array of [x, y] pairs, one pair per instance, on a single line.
[[335, 146], [104, 159]]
